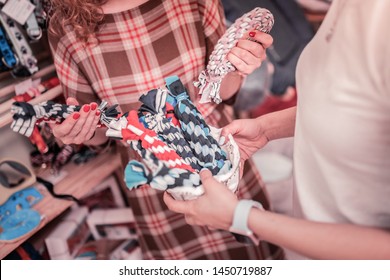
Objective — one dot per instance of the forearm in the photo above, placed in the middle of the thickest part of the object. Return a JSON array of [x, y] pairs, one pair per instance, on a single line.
[[230, 85], [280, 124], [321, 240]]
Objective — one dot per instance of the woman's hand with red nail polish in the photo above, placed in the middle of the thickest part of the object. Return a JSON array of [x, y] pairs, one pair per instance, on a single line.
[[250, 51], [80, 126]]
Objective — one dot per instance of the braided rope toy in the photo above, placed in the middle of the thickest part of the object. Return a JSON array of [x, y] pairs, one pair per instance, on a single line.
[[195, 129], [26, 116], [163, 168], [209, 80], [154, 117]]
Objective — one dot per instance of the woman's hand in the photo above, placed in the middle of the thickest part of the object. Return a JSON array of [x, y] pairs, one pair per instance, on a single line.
[[250, 52], [215, 208], [249, 135], [78, 127]]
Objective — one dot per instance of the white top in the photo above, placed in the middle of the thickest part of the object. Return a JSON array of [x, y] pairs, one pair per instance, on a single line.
[[342, 136]]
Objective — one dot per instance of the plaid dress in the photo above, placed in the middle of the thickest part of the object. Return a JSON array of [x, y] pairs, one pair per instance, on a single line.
[[136, 50]]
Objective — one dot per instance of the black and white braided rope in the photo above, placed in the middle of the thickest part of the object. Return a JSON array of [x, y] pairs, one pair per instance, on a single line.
[[26, 116]]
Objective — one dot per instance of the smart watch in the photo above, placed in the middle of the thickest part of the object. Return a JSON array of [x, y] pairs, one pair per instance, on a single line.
[[240, 219]]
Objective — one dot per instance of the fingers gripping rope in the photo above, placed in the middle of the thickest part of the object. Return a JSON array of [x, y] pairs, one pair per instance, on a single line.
[[209, 80], [26, 116], [181, 183]]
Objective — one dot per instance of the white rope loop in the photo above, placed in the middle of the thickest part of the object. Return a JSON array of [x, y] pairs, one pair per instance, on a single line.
[[209, 80]]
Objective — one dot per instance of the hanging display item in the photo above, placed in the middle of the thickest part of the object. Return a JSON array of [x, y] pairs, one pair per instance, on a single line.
[[22, 22], [27, 61], [8, 58]]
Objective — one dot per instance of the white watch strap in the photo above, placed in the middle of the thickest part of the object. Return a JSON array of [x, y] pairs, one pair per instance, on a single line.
[[240, 218]]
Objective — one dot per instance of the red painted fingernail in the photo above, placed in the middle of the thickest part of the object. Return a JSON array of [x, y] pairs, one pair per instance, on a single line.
[[86, 108], [76, 116], [252, 34], [93, 106], [97, 113]]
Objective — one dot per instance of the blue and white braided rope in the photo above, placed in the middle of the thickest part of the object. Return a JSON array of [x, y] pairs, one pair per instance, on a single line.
[[195, 130]]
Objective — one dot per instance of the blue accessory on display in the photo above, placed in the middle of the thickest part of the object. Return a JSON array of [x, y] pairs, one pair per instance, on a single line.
[[19, 224], [8, 58], [16, 216]]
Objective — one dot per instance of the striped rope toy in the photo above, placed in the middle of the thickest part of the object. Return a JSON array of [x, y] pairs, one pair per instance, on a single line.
[[155, 117], [26, 116], [209, 80], [195, 129], [164, 144]]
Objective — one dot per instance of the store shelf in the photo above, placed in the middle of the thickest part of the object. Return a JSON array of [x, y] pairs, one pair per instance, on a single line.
[[7, 90], [5, 108], [80, 180]]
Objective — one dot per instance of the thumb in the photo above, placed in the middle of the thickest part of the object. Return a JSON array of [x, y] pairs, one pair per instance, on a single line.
[[207, 179], [233, 128], [71, 101], [205, 174]]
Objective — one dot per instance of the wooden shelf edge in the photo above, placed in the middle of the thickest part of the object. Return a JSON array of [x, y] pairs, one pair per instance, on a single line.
[[83, 179], [41, 73], [5, 108]]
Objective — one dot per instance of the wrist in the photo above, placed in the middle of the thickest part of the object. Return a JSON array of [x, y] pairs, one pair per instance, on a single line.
[[230, 85], [268, 126], [278, 124], [240, 221], [229, 218]]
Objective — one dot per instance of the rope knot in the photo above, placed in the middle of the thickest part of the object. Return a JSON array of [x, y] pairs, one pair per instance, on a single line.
[[182, 97]]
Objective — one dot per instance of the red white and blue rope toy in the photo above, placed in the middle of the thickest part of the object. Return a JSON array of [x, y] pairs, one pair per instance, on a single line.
[[162, 167], [209, 80]]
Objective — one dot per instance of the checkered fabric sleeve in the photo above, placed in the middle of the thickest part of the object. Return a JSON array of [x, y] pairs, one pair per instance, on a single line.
[[213, 20], [73, 81]]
